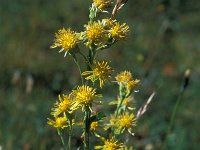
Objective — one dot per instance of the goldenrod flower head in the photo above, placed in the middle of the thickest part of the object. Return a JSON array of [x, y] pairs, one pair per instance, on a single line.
[[128, 102], [101, 71], [126, 122], [124, 77], [94, 125], [102, 4], [132, 84], [66, 39], [112, 122], [83, 96], [61, 106], [119, 32], [110, 144], [95, 33], [109, 23], [60, 122]]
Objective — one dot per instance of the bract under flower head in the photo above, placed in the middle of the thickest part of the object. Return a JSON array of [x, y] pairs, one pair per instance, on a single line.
[[66, 39]]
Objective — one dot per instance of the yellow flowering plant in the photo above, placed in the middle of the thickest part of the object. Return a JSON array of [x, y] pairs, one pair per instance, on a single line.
[[98, 34]]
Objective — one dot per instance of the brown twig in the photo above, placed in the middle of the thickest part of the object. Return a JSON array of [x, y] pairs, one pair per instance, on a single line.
[[143, 109], [119, 4]]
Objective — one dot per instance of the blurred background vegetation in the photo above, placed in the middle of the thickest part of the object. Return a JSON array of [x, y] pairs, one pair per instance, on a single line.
[[164, 42]]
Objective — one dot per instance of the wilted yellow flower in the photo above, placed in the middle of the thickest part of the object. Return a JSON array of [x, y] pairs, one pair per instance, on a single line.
[[128, 102], [66, 39], [119, 32], [83, 96], [125, 79], [63, 105], [101, 71], [102, 4], [111, 144], [126, 121], [60, 122], [95, 33], [94, 125], [132, 84]]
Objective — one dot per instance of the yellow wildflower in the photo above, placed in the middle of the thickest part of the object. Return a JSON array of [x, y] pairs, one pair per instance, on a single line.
[[125, 79], [101, 71], [61, 106], [111, 144], [60, 122], [95, 33], [119, 32], [94, 125], [102, 4], [109, 23], [83, 96], [66, 39], [126, 121], [132, 84]]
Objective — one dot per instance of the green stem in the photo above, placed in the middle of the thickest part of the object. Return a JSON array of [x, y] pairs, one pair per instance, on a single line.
[[78, 66], [62, 139], [86, 60], [70, 136], [87, 129], [122, 97], [172, 118]]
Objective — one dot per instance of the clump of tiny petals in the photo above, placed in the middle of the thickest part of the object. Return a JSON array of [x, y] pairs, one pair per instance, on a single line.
[[100, 71], [109, 23], [119, 31], [110, 144], [126, 121], [83, 97], [102, 4], [95, 34], [62, 106], [59, 122], [93, 126], [66, 40], [125, 79]]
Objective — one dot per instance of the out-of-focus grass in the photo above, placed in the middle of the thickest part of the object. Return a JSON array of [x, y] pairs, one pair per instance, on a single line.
[[163, 43]]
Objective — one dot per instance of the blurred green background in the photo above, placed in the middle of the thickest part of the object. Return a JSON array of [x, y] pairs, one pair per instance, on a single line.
[[164, 42]]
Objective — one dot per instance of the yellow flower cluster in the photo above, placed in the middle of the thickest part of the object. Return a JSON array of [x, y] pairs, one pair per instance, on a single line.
[[66, 39], [119, 32], [60, 122], [83, 97], [126, 80], [100, 71], [93, 126], [102, 4], [126, 121], [110, 144], [96, 36], [61, 106], [97, 33]]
